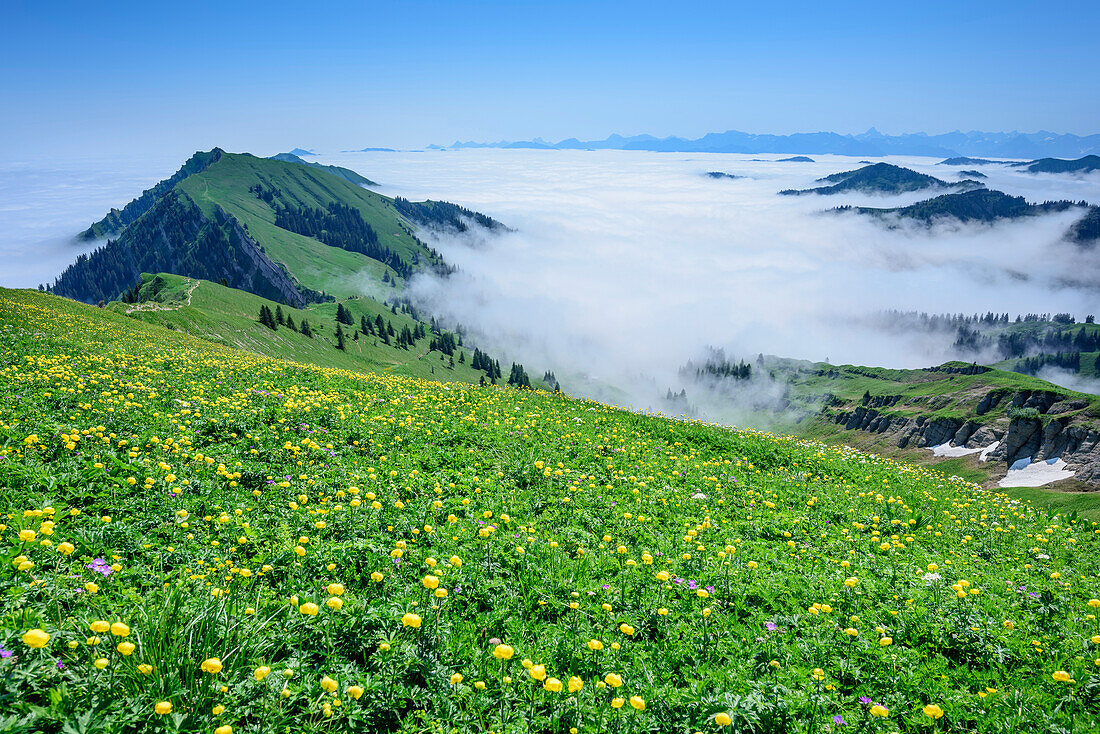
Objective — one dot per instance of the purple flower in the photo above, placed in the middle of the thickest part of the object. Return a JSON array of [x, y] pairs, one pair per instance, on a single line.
[[60, 665], [6, 653], [771, 626], [864, 700], [839, 720], [100, 566]]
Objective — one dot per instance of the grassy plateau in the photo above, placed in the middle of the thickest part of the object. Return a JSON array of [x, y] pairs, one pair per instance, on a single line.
[[201, 539]]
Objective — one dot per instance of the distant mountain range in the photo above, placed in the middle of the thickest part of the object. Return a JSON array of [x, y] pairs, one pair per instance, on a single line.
[[871, 143]]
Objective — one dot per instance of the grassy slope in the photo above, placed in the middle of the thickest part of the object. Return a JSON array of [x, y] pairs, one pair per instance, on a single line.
[[229, 316], [316, 265], [270, 455], [936, 394]]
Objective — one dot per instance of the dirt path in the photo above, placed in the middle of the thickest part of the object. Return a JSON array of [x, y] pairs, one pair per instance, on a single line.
[[162, 307]]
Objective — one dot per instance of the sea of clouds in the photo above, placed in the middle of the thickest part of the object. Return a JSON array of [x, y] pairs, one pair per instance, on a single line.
[[622, 265]]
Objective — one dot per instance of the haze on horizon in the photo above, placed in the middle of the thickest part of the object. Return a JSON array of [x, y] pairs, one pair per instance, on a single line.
[[153, 79]]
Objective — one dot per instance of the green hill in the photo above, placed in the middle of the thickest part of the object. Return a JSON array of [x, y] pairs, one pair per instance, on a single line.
[[284, 230], [988, 205], [263, 545], [880, 178], [228, 316], [1086, 164]]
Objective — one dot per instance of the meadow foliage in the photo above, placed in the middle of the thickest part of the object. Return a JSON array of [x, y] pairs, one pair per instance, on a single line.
[[198, 539]]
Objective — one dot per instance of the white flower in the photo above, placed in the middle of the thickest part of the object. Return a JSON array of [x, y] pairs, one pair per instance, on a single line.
[[930, 577]]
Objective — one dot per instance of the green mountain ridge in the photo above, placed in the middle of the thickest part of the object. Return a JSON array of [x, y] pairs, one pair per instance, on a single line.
[[880, 178], [306, 233], [344, 173], [988, 206]]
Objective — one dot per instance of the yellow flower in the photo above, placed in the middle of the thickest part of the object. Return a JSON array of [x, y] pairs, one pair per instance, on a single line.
[[309, 608], [99, 626], [595, 645], [212, 665], [335, 589], [456, 561], [818, 674], [722, 719], [118, 629], [503, 652], [933, 711], [852, 632], [575, 684], [328, 684], [163, 707], [66, 549], [125, 648], [851, 581], [662, 576], [376, 577], [456, 679], [145, 668], [334, 603], [553, 685], [1061, 676], [355, 692], [637, 702], [626, 629], [613, 679], [752, 564], [226, 729], [538, 672], [91, 588], [880, 711], [411, 620], [26, 535], [1094, 603], [261, 672], [218, 710], [101, 663], [663, 612], [430, 582], [36, 638], [886, 641], [617, 703]]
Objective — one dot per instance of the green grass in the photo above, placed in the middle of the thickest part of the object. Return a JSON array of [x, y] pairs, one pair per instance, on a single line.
[[230, 317], [294, 521]]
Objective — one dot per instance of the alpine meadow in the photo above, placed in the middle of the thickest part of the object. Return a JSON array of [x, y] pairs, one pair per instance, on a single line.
[[576, 368]]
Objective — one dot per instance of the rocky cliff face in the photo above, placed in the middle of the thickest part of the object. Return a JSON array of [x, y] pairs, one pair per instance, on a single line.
[[1027, 435]]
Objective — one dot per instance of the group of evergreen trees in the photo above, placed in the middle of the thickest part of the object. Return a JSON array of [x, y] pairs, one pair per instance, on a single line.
[[337, 225], [443, 215], [273, 320], [485, 363], [1066, 360], [1050, 341], [444, 342], [518, 376]]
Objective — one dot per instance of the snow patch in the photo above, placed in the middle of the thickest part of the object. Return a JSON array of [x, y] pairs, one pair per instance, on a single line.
[[946, 449], [1023, 473]]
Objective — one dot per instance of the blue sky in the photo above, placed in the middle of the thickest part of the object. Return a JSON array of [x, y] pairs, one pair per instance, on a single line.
[[265, 77]]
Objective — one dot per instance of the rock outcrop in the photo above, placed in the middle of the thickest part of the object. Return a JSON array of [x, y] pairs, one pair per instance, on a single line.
[[1046, 432]]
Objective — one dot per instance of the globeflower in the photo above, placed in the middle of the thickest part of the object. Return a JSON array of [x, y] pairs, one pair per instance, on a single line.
[[722, 719], [261, 672], [211, 665], [355, 692], [411, 620], [1062, 676], [553, 685], [36, 638], [613, 679], [328, 684], [163, 707], [538, 672], [118, 629], [880, 711], [503, 652], [638, 703], [309, 608], [575, 684], [933, 711]]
